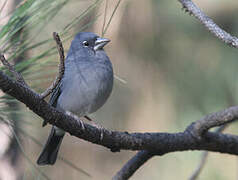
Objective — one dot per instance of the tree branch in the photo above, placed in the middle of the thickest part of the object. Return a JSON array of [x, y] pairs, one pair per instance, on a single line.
[[132, 165], [209, 24], [143, 156], [11, 68], [158, 143], [60, 49], [198, 170], [201, 126]]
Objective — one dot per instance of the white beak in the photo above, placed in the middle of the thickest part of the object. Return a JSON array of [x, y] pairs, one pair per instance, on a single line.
[[100, 43]]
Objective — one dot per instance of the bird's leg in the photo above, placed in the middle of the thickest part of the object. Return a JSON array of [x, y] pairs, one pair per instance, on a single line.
[[76, 117], [88, 118]]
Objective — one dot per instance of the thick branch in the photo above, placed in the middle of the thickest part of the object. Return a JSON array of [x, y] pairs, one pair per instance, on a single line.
[[143, 156], [158, 143], [209, 24]]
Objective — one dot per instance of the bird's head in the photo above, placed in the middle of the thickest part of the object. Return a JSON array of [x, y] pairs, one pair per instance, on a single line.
[[88, 42]]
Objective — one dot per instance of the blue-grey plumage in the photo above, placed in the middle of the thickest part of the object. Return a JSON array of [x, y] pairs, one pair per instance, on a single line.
[[85, 87]]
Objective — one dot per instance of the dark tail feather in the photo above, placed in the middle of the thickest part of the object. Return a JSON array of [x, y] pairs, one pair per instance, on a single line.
[[51, 148]]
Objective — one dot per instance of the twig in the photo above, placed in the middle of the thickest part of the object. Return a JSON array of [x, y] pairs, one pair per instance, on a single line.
[[109, 21], [209, 24], [11, 68], [198, 170], [132, 165], [200, 127], [60, 48], [105, 15]]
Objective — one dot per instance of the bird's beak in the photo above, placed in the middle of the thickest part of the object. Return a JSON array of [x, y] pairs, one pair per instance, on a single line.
[[100, 43]]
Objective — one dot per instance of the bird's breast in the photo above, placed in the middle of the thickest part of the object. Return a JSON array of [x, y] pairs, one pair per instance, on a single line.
[[86, 90]]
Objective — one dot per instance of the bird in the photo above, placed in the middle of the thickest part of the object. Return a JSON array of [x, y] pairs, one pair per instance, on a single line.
[[85, 86]]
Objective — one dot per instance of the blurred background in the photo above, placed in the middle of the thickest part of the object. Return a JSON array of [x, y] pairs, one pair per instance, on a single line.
[[172, 72]]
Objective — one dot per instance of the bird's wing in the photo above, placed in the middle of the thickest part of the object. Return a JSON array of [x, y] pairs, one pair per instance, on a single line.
[[55, 94], [54, 97]]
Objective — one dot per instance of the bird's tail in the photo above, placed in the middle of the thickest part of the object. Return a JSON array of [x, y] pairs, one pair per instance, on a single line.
[[51, 148]]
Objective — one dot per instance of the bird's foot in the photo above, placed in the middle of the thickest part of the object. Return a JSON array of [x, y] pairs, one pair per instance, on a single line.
[[76, 117], [88, 118]]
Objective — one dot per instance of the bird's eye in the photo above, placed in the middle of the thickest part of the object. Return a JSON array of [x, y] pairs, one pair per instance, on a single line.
[[85, 43]]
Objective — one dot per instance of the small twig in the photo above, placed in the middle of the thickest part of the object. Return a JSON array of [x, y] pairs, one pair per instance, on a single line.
[[114, 11], [60, 48], [200, 127], [132, 165], [192, 9], [200, 166], [120, 79], [105, 15], [11, 68], [198, 170]]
